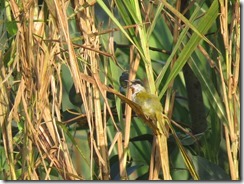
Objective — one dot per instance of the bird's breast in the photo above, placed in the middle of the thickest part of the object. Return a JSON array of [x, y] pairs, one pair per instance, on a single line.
[[149, 103]]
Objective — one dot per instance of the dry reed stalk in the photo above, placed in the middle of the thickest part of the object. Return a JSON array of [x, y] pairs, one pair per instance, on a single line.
[[155, 166], [6, 125], [160, 150], [35, 66], [163, 154], [121, 154], [229, 83], [134, 64], [87, 27], [151, 168]]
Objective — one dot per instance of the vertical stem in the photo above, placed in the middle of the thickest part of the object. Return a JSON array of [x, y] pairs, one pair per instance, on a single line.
[[134, 64], [163, 148], [5, 125], [152, 158], [229, 153]]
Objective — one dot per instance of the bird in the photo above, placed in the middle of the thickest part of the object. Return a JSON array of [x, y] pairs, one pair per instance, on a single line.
[[149, 103]]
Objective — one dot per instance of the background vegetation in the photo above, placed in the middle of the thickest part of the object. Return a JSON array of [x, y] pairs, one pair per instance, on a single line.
[[62, 114]]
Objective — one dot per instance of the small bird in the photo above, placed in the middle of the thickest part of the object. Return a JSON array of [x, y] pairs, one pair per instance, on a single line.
[[149, 103]]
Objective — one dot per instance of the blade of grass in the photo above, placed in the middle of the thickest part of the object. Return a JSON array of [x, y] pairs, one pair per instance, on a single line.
[[186, 158], [176, 48], [115, 20], [188, 23], [204, 25], [154, 21], [209, 90]]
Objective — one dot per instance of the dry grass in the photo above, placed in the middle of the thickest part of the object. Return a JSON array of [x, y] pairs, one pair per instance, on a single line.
[[43, 43]]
